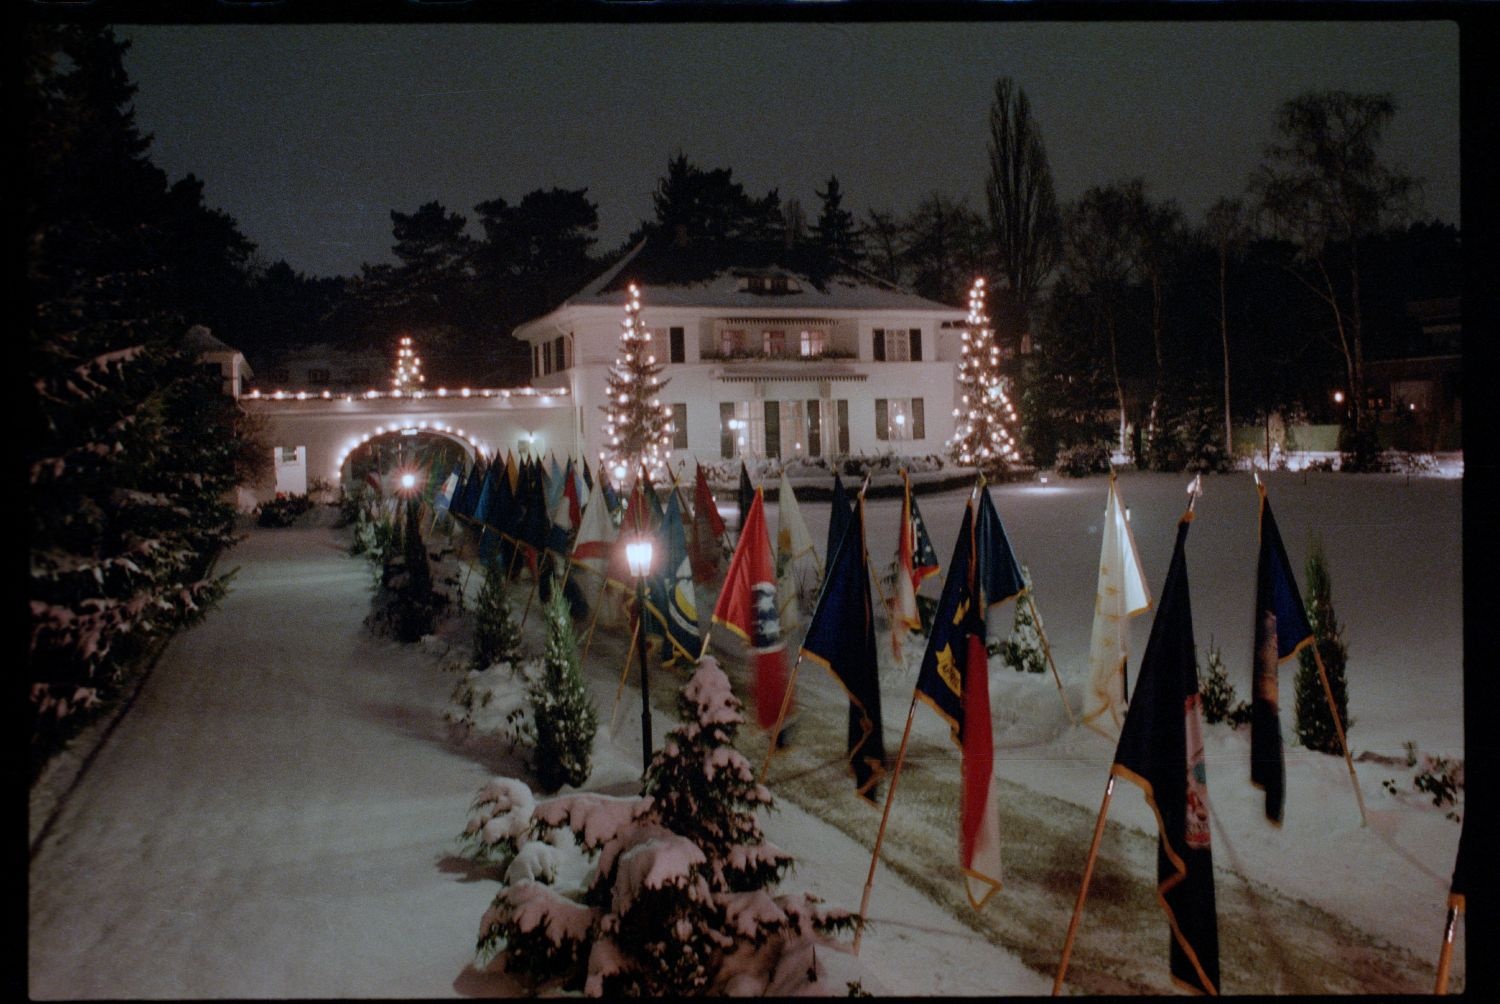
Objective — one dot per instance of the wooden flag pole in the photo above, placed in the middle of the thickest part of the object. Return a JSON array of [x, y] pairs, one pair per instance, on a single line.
[[1047, 649], [885, 815], [786, 702], [536, 581], [1083, 889], [1445, 957], [1339, 727], [598, 605], [620, 690]]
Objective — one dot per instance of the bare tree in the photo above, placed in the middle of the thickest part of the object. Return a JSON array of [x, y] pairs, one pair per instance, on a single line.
[[1324, 186], [1226, 228], [1155, 242], [1024, 222], [1097, 252], [883, 244]]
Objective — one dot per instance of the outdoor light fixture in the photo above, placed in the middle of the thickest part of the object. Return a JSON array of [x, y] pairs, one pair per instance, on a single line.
[[1338, 397], [408, 481], [638, 557]]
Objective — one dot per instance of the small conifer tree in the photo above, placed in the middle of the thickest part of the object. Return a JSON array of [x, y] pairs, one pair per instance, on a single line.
[[562, 713], [1314, 724], [1022, 651], [1217, 693], [497, 636]]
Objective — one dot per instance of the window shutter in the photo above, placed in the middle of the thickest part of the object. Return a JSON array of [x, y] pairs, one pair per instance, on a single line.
[[536, 361], [843, 413], [726, 434], [880, 345], [918, 424], [814, 428], [916, 345], [773, 428], [679, 348], [882, 419]]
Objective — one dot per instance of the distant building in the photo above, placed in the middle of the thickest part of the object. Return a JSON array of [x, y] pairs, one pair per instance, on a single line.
[[322, 367], [214, 355], [1421, 390], [761, 361]]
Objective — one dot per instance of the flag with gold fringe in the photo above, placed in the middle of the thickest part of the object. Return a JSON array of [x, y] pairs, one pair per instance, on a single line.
[[954, 682], [841, 638], [1161, 751], [1121, 593]]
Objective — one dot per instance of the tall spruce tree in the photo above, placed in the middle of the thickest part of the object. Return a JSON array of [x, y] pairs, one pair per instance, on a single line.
[[129, 448], [1314, 721], [835, 232], [984, 434], [497, 637], [637, 424], [561, 711]]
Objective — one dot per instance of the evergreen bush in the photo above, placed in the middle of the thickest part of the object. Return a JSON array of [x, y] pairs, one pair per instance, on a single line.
[[1083, 459], [1217, 693], [1314, 723], [561, 712], [497, 636], [1022, 651]]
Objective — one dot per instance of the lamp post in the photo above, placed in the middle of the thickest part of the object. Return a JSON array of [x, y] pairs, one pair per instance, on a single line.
[[638, 556]]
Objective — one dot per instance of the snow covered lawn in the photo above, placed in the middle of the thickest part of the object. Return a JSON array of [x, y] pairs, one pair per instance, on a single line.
[[277, 814]]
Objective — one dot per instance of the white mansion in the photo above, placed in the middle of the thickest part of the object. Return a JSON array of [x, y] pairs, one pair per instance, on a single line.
[[762, 362]]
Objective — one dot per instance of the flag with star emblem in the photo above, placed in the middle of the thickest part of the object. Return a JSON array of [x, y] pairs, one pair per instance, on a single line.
[[954, 681], [1161, 750], [798, 572], [1281, 631], [1121, 593], [747, 607], [669, 595], [841, 638]]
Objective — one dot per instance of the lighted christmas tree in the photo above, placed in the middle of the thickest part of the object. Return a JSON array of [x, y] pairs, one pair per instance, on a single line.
[[408, 376], [984, 435], [637, 425]]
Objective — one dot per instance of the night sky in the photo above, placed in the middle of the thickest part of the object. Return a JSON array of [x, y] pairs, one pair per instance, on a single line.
[[310, 135]]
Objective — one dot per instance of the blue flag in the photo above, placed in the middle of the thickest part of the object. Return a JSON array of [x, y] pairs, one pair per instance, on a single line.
[[496, 516], [838, 521], [745, 496], [841, 638], [1281, 630], [1161, 750], [999, 576], [463, 502], [670, 596]]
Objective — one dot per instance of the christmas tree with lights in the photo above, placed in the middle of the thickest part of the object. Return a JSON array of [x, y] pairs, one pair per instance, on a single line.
[[408, 376], [985, 419], [637, 426]]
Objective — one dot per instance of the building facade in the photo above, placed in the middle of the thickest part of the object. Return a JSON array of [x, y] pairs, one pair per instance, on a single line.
[[762, 362]]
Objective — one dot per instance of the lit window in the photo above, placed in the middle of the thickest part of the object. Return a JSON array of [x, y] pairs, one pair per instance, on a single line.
[[773, 343], [814, 341]]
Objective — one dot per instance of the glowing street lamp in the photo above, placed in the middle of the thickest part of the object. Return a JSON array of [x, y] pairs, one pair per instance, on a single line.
[[638, 557]]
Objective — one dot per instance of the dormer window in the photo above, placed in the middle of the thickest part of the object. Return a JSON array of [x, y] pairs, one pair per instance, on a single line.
[[771, 283]]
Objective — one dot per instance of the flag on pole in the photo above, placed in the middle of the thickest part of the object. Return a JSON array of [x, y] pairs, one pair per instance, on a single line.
[[497, 516], [1161, 750], [747, 607], [512, 471], [1281, 631], [592, 547], [1121, 593], [797, 567], [745, 496], [588, 478], [997, 574], [841, 638], [708, 530], [924, 555], [838, 520], [444, 499], [1458, 887], [554, 481], [372, 479], [463, 504], [574, 492], [955, 682], [904, 602], [486, 492], [670, 596]]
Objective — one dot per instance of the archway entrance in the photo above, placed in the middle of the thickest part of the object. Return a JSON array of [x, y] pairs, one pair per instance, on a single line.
[[411, 459]]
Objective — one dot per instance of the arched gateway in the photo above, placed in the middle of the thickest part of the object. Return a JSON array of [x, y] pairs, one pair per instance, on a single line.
[[327, 437]]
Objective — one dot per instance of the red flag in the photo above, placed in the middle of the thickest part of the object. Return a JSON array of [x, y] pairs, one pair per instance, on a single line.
[[747, 606], [570, 495], [708, 529]]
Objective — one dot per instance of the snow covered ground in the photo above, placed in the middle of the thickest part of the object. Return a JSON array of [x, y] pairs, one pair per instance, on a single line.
[[276, 815]]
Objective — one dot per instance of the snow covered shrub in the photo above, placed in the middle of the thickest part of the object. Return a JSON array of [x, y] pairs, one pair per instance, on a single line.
[[497, 637], [494, 701], [1314, 722], [500, 817], [1083, 459], [282, 510], [1022, 651], [562, 715], [680, 898], [1217, 693]]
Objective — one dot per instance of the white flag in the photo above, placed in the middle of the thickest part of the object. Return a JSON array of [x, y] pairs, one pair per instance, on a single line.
[[797, 570], [593, 548], [1122, 594]]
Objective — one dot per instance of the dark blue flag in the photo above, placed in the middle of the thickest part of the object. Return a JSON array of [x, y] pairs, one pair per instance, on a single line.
[[943, 691], [841, 638], [1281, 630], [463, 504], [1161, 750], [838, 521], [497, 516], [998, 574], [746, 495], [670, 597]]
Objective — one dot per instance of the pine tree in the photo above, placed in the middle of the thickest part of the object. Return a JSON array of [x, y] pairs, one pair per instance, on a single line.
[[1022, 651], [497, 637], [684, 880], [1314, 723], [835, 232], [984, 436], [637, 423], [564, 717], [1217, 692]]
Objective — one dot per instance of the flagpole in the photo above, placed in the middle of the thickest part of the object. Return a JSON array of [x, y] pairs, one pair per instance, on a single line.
[[598, 605], [620, 690], [786, 702], [1445, 957], [1047, 649], [515, 552], [1083, 889], [885, 815], [1339, 727], [536, 581]]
